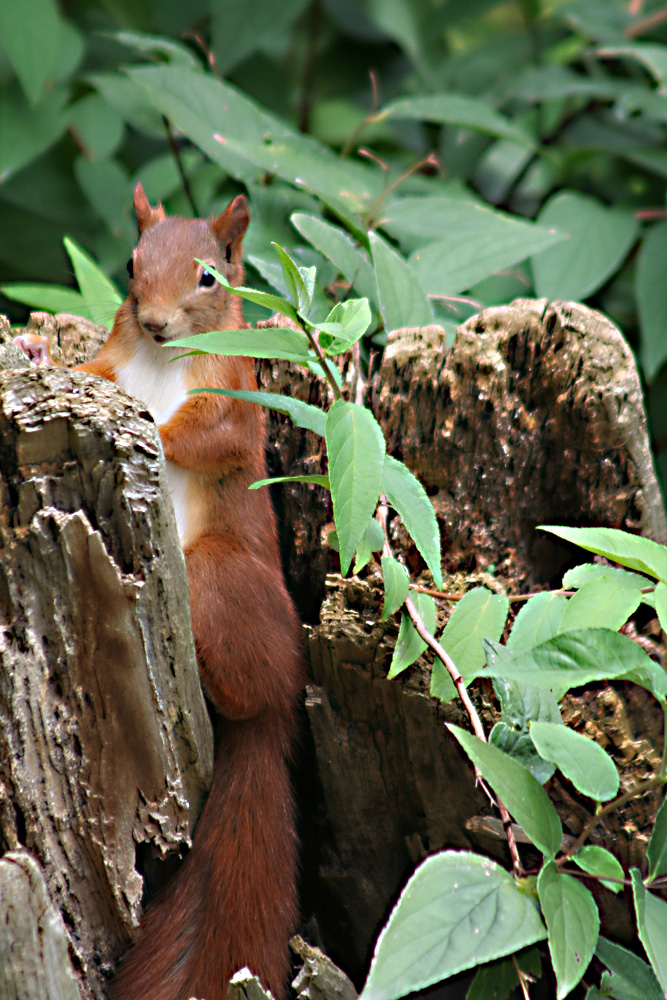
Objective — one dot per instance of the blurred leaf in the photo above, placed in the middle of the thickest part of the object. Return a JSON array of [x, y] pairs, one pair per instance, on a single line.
[[402, 299], [657, 848], [241, 27], [651, 290], [523, 795], [30, 35], [479, 615], [396, 585], [651, 914], [351, 260], [458, 910], [410, 645], [109, 190], [580, 759], [409, 499], [600, 239], [537, 621], [27, 131], [98, 126], [652, 56], [598, 861], [455, 109], [660, 595], [573, 924], [494, 981], [157, 46], [100, 294], [356, 452], [51, 298]]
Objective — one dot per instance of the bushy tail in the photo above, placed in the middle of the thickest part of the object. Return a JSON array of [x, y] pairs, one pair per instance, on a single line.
[[233, 901]]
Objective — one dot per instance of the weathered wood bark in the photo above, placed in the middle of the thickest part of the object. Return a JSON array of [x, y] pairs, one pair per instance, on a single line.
[[104, 737]]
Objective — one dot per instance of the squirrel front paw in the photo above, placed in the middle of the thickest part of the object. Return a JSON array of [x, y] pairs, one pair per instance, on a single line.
[[36, 347]]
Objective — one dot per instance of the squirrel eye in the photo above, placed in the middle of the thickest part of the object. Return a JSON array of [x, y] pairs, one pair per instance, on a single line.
[[130, 267], [207, 280]]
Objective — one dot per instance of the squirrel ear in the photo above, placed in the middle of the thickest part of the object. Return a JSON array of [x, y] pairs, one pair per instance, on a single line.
[[146, 215], [230, 227]]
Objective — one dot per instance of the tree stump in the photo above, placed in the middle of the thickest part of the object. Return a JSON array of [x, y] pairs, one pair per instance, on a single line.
[[105, 739]]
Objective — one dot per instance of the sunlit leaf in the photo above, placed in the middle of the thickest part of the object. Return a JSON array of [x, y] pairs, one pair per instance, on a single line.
[[598, 861], [479, 615], [410, 645], [580, 759], [396, 585], [573, 923], [101, 296]]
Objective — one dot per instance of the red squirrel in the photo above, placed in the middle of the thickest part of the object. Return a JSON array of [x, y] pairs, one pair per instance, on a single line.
[[233, 901]]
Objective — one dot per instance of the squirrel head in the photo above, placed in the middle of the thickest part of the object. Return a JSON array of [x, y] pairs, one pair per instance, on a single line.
[[170, 294]]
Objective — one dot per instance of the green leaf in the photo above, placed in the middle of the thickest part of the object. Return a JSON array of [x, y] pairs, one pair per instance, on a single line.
[[401, 297], [576, 658], [598, 861], [27, 131], [241, 27], [356, 450], [396, 586], [478, 615], [312, 418], [352, 318], [52, 298], [100, 294], [97, 126], [630, 968], [455, 109], [600, 239], [318, 480], [286, 344], [457, 911], [633, 551], [273, 302], [521, 704], [602, 603], [585, 572], [494, 981], [537, 621], [657, 847], [372, 541], [351, 261], [442, 686], [651, 914], [573, 924], [581, 760], [660, 596], [30, 35], [458, 243], [410, 645], [520, 791], [408, 497], [652, 56], [651, 293], [301, 294]]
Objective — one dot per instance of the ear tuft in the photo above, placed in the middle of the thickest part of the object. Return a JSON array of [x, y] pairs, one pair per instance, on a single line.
[[230, 227], [146, 215]]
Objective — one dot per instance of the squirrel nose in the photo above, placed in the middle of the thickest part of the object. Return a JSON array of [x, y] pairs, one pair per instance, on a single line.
[[153, 325], [153, 320]]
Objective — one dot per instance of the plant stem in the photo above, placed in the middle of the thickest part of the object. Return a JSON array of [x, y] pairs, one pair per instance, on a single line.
[[328, 374], [461, 689], [642, 786], [176, 153]]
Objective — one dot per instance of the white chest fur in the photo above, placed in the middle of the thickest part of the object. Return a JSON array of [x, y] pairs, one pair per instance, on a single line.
[[150, 378]]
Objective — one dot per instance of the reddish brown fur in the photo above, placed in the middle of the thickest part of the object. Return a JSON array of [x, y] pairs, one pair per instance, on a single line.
[[233, 902]]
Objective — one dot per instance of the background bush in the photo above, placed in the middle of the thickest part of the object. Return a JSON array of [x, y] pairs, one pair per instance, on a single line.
[[433, 156]]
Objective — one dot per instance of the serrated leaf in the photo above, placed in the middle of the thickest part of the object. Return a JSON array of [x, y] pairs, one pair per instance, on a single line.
[[660, 597], [312, 418], [598, 861], [318, 480], [656, 854], [456, 109], [403, 301], [520, 791], [573, 924], [633, 551], [408, 497], [580, 759], [273, 302], [651, 293], [576, 658], [396, 585], [599, 240], [338, 247], [537, 621], [356, 450], [410, 645], [479, 614], [601, 603], [101, 296], [278, 342], [494, 981], [51, 298], [632, 969], [651, 914], [457, 911]]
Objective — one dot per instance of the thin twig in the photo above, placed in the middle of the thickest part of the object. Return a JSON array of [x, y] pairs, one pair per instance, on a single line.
[[324, 363], [642, 786], [657, 17], [176, 152], [461, 689]]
